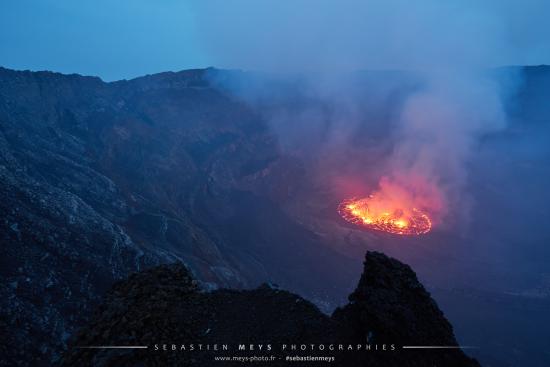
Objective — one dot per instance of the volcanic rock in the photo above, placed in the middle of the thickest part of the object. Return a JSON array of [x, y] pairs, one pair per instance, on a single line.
[[165, 306], [99, 180]]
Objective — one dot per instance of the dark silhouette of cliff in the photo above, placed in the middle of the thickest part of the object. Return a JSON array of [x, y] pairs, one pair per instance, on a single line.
[[389, 309]]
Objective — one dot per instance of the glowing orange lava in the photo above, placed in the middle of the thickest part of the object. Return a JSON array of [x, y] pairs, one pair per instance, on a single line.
[[374, 213]]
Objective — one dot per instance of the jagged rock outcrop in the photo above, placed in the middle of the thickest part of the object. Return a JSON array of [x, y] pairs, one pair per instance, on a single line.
[[391, 305], [166, 306]]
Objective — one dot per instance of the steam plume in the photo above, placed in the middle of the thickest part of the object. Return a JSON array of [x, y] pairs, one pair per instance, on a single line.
[[448, 45]]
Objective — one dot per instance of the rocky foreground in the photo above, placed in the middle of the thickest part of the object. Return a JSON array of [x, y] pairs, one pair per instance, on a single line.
[[165, 305]]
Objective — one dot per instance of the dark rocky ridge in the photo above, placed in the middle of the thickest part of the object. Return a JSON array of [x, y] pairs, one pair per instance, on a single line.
[[164, 305], [98, 180]]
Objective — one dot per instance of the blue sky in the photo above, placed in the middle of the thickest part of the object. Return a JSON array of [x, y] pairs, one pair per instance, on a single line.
[[128, 38]]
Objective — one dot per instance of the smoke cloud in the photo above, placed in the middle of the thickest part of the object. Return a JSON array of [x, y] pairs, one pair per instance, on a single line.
[[438, 131], [435, 111]]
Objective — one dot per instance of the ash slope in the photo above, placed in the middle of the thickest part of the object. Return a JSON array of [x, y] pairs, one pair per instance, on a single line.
[[164, 305], [99, 180]]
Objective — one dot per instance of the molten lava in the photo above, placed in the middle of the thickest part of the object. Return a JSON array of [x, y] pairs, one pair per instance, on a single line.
[[383, 215]]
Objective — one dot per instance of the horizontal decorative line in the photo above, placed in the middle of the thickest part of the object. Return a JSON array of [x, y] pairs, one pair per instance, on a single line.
[[438, 347], [114, 347]]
